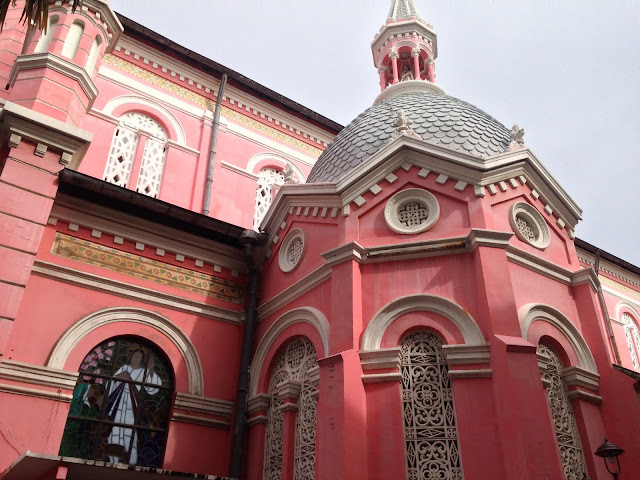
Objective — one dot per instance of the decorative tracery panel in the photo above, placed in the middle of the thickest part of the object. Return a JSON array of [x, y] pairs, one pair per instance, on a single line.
[[564, 421], [267, 179], [294, 363], [632, 334], [430, 432], [123, 151]]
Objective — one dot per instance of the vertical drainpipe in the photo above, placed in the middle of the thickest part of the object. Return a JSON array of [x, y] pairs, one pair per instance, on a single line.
[[605, 313], [212, 149], [249, 239]]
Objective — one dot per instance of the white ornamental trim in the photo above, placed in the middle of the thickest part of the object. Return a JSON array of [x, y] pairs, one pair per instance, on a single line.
[[292, 250], [411, 211], [529, 225]]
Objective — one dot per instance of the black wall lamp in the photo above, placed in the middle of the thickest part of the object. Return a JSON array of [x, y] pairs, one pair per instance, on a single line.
[[610, 453]]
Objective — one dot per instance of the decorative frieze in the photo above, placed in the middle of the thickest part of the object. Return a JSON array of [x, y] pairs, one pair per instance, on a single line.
[[147, 269]]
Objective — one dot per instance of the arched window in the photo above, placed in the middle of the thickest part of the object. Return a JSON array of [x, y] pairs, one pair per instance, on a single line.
[[120, 407], [46, 37], [72, 42], [632, 335], [124, 147], [267, 179], [430, 432], [564, 421], [93, 54], [294, 364]]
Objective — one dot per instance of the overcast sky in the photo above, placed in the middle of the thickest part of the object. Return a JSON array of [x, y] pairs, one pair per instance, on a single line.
[[568, 72]]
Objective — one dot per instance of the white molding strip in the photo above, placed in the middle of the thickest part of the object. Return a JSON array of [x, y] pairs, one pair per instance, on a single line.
[[34, 392], [200, 404], [134, 292], [37, 374], [202, 421]]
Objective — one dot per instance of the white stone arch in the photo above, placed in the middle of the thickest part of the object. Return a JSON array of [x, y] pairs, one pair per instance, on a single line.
[[532, 312], [404, 43], [309, 315], [279, 159], [161, 111], [634, 310], [68, 341], [423, 302]]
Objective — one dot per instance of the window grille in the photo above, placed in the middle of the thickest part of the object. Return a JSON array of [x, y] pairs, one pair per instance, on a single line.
[[294, 363], [123, 152], [632, 334], [267, 179], [120, 407], [430, 433], [564, 421]]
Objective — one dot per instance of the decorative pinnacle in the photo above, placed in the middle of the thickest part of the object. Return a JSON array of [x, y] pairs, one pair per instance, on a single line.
[[517, 137], [402, 127], [402, 10]]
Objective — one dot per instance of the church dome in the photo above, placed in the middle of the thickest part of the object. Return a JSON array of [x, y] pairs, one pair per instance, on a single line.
[[437, 118]]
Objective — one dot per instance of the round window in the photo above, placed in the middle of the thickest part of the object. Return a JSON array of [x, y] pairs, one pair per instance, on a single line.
[[529, 226], [291, 250], [411, 211]]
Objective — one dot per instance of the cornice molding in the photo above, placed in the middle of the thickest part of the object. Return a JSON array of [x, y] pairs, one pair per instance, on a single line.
[[380, 359], [94, 217], [37, 374], [381, 377], [576, 376], [19, 122], [200, 404], [476, 373], [258, 403], [57, 64], [585, 396], [202, 421], [467, 354]]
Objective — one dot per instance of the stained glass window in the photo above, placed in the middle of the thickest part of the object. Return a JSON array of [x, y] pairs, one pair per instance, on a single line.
[[120, 407]]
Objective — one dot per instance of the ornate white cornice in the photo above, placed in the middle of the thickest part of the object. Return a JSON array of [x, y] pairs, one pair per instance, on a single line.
[[57, 64], [19, 123]]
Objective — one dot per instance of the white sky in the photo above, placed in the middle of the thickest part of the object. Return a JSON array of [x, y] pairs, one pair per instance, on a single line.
[[568, 72]]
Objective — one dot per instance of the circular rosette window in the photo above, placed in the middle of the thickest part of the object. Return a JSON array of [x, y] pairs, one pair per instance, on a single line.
[[412, 211], [529, 225], [291, 250]]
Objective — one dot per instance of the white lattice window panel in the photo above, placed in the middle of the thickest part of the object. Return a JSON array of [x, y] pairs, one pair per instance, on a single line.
[[564, 421], [430, 433], [267, 179], [294, 363], [632, 335], [123, 151]]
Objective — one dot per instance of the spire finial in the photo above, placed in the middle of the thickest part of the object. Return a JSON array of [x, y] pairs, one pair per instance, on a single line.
[[402, 10], [404, 50]]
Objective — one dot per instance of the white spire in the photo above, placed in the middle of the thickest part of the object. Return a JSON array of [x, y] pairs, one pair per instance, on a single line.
[[402, 10]]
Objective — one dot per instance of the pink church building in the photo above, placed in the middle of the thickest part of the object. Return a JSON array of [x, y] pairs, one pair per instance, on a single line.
[[202, 278]]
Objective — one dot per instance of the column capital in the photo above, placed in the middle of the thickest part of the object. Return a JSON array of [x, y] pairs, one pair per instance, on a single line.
[[289, 390], [415, 52], [394, 55]]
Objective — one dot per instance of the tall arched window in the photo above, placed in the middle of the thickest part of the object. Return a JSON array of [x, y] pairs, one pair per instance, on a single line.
[[46, 37], [120, 407], [124, 147], [93, 54], [430, 433], [564, 421], [293, 364], [632, 335], [267, 179], [72, 42]]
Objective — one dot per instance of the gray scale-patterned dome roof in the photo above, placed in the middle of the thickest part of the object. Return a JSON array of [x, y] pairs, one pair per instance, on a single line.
[[439, 119]]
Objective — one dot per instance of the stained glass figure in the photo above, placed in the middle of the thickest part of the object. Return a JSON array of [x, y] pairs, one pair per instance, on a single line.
[[120, 407]]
